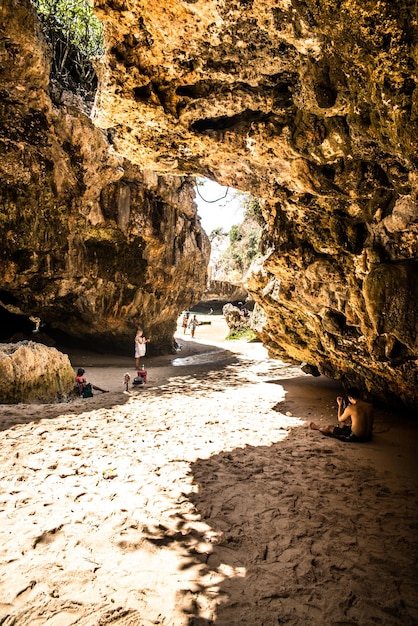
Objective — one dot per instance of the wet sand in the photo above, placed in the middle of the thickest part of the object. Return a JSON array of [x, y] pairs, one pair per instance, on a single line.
[[203, 498]]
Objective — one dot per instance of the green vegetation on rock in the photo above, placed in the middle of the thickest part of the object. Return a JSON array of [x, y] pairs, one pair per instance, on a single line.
[[244, 240], [75, 36], [247, 334]]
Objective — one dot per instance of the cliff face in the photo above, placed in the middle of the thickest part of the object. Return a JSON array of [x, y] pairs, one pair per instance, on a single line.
[[312, 106], [92, 244]]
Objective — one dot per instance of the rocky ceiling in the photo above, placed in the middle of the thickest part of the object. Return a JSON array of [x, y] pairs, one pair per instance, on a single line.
[[311, 106]]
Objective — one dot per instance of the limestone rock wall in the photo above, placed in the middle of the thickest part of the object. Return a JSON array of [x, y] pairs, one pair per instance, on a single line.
[[92, 244], [311, 105]]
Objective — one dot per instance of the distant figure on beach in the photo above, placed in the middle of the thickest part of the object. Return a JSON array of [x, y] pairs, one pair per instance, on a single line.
[[359, 412], [84, 389], [140, 346], [185, 322], [193, 324]]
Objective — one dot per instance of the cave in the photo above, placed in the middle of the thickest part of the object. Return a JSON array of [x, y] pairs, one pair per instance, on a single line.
[[311, 111], [207, 496]]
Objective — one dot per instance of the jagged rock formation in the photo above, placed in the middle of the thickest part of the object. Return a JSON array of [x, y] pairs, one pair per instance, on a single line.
[[31, 372], [92, 244], [235, 318], [222, 285], [311, 106], [225, 291]]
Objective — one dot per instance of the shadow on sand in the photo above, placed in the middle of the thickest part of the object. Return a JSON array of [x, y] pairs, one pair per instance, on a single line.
[[302, 534]]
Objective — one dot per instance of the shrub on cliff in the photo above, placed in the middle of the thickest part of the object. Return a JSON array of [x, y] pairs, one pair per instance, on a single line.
[[75, 36]]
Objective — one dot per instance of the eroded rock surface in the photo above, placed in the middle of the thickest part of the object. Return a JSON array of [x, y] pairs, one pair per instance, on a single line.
[[32, 372], [91, 243], [311, 106], [235, 318]]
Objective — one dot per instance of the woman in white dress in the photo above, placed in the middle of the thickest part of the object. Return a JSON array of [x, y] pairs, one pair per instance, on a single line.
[[140, 346]]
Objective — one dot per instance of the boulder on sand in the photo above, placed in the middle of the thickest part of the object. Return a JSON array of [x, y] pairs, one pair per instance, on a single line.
[[32, 372], [235, 318]]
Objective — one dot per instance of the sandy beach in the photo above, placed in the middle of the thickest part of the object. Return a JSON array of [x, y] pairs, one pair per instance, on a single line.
[[203, 498]]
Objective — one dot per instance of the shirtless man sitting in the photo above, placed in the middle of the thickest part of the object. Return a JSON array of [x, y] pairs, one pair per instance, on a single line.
[[361, 415]]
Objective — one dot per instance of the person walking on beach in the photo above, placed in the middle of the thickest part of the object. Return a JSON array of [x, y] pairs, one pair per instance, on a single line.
[[140, 346], [193, 324], [185, 321], [84, 388], [360, 414]]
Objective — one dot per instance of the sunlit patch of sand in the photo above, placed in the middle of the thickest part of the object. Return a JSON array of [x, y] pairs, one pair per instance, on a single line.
[[202, 498]]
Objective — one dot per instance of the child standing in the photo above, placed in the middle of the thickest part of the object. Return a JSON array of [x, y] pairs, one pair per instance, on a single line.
[[140, 346]]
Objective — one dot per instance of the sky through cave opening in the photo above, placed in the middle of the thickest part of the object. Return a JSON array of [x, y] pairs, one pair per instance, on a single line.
[[218, 206]]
